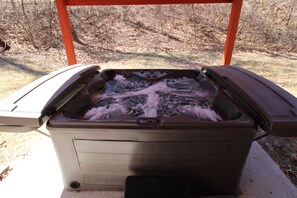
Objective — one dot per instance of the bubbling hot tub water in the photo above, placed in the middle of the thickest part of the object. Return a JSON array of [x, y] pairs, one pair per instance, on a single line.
[[140, 98]]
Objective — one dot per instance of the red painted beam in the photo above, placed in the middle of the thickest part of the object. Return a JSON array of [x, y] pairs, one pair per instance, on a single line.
[[139, 2]]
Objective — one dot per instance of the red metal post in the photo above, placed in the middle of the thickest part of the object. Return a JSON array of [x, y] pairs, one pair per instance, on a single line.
[[66, 31], [232, 30], [140, 2]]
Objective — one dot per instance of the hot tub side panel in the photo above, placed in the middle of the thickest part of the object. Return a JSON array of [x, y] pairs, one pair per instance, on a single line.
[[101, 159]]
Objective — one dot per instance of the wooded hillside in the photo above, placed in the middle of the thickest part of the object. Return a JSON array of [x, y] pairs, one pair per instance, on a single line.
[[265, 25]]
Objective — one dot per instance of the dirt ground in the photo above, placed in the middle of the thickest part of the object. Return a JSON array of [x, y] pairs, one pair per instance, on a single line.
[[283, 151], [150, 37]]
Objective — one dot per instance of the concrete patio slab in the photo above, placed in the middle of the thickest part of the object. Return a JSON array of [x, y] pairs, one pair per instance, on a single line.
[[262, 177], [39, 176]]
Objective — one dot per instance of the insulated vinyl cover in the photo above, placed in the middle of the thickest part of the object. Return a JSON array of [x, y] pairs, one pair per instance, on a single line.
[[274, 109]]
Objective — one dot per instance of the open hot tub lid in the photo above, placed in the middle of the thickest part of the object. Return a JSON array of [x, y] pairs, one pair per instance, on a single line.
[[28, 108], [273, 108]]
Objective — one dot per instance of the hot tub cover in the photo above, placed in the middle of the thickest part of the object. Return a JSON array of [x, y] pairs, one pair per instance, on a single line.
[[274, 109]]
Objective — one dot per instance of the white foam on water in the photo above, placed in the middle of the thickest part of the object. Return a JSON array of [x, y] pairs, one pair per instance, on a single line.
[[199, 112], [151, 106], [188, 89], [151, 92], [122, 82], [105, 112], [120, 78], [150, 112]]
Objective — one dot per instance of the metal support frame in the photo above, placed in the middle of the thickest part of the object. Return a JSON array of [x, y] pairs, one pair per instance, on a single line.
[[68, 40]]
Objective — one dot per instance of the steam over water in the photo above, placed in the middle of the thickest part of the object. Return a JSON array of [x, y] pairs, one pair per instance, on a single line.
[[139, 98]]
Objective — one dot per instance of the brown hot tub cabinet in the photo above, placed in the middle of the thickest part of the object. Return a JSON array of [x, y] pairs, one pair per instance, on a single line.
[[100, 154]]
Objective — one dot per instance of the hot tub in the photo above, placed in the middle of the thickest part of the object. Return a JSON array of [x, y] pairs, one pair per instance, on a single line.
[[194, 124]]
